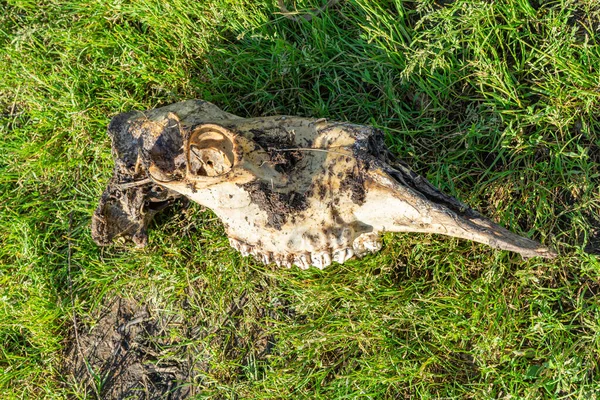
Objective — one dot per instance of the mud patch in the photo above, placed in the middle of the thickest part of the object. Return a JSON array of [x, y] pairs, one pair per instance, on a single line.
[[129, 350], [278, 206], [120, 356]]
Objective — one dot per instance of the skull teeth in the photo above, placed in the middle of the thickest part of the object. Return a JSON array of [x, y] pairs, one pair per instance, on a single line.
[[245, 250], [303, 261], [319, 260], [266, 258], [235, 244], [366, 243], [343, 255]]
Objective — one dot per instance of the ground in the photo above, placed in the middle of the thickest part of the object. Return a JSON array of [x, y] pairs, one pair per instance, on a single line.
[[494, 102]]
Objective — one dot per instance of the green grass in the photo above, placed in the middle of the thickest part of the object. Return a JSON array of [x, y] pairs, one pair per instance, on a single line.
[[495, 102]]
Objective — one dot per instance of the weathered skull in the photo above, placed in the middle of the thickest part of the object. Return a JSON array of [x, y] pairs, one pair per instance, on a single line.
[[288, 190]]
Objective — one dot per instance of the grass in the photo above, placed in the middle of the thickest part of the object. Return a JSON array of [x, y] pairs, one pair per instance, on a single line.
[[495, 102]]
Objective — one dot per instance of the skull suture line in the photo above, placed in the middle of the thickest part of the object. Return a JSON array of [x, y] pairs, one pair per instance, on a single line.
[[288, 190]]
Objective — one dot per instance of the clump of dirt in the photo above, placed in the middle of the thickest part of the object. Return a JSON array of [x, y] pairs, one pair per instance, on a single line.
[[278, 206], [119, 357], [277, 144], [355, 183], [127, 211], [131, 200]]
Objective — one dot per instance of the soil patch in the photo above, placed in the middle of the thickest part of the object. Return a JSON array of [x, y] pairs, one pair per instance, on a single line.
[[130, 350], [119, 357], [277, 142]]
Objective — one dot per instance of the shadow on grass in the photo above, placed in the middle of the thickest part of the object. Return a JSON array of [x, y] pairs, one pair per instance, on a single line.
[[593, 243]]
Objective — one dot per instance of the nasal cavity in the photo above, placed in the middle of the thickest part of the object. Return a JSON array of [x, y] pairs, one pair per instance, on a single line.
[[210, 152]]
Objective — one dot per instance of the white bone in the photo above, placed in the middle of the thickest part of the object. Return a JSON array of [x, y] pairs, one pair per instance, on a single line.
[[287, 189]]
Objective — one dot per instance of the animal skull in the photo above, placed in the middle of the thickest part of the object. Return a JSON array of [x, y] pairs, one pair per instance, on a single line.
[[288, 190]]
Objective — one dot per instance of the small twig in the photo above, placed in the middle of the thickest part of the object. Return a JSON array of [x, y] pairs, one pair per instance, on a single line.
[[138, 320], [295, 16], [162, 370], [75, 325], [14, 104], [198, 156], [311, 149], [133, 184]]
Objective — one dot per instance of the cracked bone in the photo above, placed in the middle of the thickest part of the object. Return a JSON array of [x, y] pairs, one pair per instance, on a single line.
[[288, 190]]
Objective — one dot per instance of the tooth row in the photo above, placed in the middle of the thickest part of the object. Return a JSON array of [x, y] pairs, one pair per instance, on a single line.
[[303, 261], [343, 255], [367, 243]]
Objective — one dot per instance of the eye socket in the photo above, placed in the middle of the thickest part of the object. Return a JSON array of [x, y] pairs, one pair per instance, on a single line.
[[210, 152]]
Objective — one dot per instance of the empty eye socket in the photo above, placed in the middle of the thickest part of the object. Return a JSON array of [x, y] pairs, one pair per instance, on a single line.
[[209, 161], [210, 153]]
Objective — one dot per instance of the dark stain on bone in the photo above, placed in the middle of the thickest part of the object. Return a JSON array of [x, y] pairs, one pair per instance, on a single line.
[[322, 191], [333, 231], [165, 150], [125, 145], [278, 206], [312, 238], [336, 217], [355, 184], [276, 143], [192, 187]]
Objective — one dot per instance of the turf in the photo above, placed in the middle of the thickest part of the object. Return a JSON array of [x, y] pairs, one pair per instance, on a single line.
[[495, 102]]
